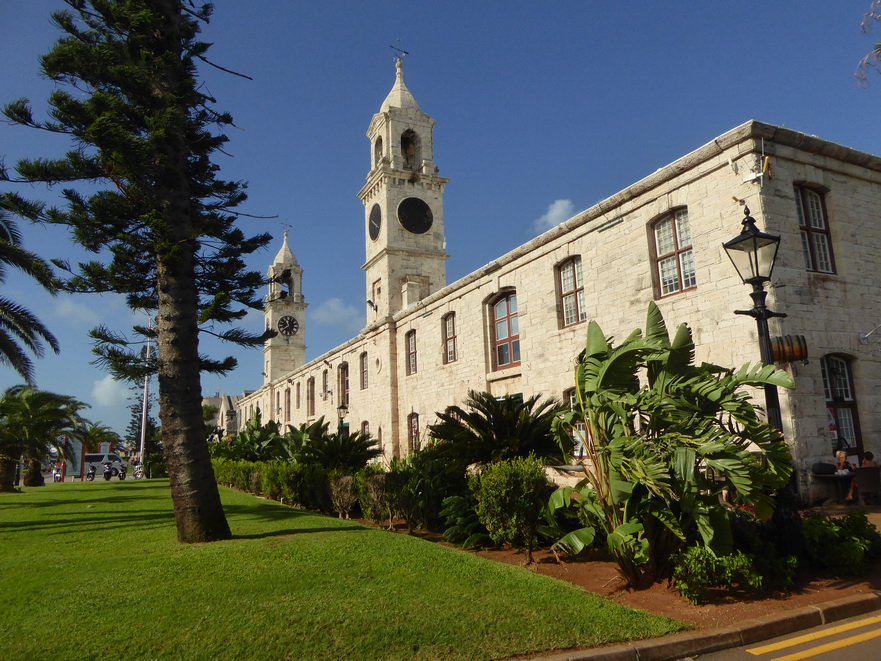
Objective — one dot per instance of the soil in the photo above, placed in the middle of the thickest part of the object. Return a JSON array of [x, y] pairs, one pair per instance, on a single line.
[[598, 575]]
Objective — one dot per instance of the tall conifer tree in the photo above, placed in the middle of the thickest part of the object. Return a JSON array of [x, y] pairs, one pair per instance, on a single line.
[[144, 129]]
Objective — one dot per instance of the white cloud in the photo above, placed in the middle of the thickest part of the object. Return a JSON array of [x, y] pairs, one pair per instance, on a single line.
[[333, 312], [67, 308], [558, 211], [109, 393]]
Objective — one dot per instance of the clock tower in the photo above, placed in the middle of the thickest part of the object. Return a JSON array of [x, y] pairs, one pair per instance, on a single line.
[[403, 207], [285, 313]]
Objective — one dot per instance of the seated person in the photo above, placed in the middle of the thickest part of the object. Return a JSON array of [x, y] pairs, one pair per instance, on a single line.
[[841, 462], [868, 461]]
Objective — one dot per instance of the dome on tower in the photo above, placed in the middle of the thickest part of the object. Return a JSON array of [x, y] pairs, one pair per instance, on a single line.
[[400, 96], [285, 256]]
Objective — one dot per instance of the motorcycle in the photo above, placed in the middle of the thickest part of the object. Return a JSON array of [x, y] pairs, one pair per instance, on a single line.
[[90, 474], [122, 472], [108, 472], [56, 474], [139, 471]]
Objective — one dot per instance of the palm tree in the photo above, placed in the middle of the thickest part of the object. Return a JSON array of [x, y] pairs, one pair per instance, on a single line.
[[495, 429], [345, 452], [20, 330], [32, 421]]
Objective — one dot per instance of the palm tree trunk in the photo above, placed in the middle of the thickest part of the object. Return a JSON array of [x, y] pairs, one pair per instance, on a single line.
[[33, 477], [7, 475]]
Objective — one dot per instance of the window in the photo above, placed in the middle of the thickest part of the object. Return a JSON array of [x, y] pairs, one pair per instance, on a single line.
[[674, 259], [310, 396], [343, 386], [578, 449], [413, 431], [298, 396], [410, 341], [448, 324], [816, 242], [324, 384], [571, 291], [362, 361], [410, 149], [841, 403], [506, 332], [277, 415], [365, 427], [287, 404]]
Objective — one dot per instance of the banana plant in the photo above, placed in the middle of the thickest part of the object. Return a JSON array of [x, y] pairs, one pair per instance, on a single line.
[[664, 438]]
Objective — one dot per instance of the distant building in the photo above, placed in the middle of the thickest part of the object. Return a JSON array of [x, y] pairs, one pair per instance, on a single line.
[[516, 324]]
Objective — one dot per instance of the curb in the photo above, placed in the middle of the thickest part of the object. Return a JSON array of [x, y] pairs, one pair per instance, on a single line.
[[691, 643]]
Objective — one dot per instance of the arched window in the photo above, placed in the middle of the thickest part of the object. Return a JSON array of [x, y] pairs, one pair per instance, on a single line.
[[506, 332], [298, 395], [448, 328], [816, 241], [343, 374], [377, 152], [310, 396], [324, 384], [365, 427], [277, 412], [287, 404], [571, 291], [841, 403], [413, 431], [410, 149], [362, 362], [410, 344], [674, 259]]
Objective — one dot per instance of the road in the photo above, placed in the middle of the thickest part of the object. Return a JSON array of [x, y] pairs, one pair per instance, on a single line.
[[856, 639]]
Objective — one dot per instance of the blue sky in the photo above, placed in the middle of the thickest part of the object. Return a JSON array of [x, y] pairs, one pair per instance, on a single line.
[[542, 109]]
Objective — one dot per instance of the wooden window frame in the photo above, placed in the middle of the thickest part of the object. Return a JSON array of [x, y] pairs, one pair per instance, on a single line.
[[413, 431], [449, 334], [812, 236], [412, 364], [363, 370], [575, 293], [343, 378], [310, 396], [680, 252], [511, 341], [840, 395]]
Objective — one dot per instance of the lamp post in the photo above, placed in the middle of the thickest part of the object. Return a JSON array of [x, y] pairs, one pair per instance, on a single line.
[[342, 410], [753, 254]]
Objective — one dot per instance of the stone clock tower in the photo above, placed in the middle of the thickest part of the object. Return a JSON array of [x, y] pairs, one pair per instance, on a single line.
[[403, 207], [285, 312]]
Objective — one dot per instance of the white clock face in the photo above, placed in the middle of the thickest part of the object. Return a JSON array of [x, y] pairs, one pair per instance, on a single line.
[[288, 326]]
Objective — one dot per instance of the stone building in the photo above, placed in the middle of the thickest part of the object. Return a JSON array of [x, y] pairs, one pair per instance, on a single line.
[[516, 324]]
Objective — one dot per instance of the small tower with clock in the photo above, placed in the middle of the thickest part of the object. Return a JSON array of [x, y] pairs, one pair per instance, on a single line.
[[403, 207], [285, 312]]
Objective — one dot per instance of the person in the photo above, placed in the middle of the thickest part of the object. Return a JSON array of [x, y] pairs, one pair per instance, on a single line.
[[841, 462], [868, 461]]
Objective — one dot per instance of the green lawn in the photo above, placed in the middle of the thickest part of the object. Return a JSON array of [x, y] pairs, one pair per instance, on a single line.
[[94, 571]]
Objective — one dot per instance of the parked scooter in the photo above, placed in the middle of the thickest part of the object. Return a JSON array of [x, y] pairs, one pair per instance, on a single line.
[[56, 474], [90, 474], [139, 470], [108, 471], [122, 472]]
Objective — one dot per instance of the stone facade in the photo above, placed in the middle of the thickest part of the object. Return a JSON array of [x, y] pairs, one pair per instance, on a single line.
[[834, 300]]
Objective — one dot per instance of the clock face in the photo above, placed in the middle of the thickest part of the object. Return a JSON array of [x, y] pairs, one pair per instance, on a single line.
[[375, 222], [288, 326], [415, 215]]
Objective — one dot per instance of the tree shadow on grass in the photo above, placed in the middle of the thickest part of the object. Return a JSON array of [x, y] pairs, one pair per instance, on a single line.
[[271, 512]]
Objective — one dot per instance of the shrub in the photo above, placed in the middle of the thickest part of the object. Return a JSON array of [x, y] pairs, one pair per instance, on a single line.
[[840, 545], [463, 526], [698, 569], [372, 495], [511, 497], [297, 485], [343, 494]]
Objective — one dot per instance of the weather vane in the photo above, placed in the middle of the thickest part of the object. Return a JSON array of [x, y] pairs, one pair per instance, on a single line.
[[400, 52]]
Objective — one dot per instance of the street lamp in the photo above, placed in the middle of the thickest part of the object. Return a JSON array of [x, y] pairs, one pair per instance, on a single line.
[[753, 254], [342, 410]]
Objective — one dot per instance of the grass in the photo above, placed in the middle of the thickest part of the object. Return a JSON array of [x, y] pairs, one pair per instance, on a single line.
[[94, 571]]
